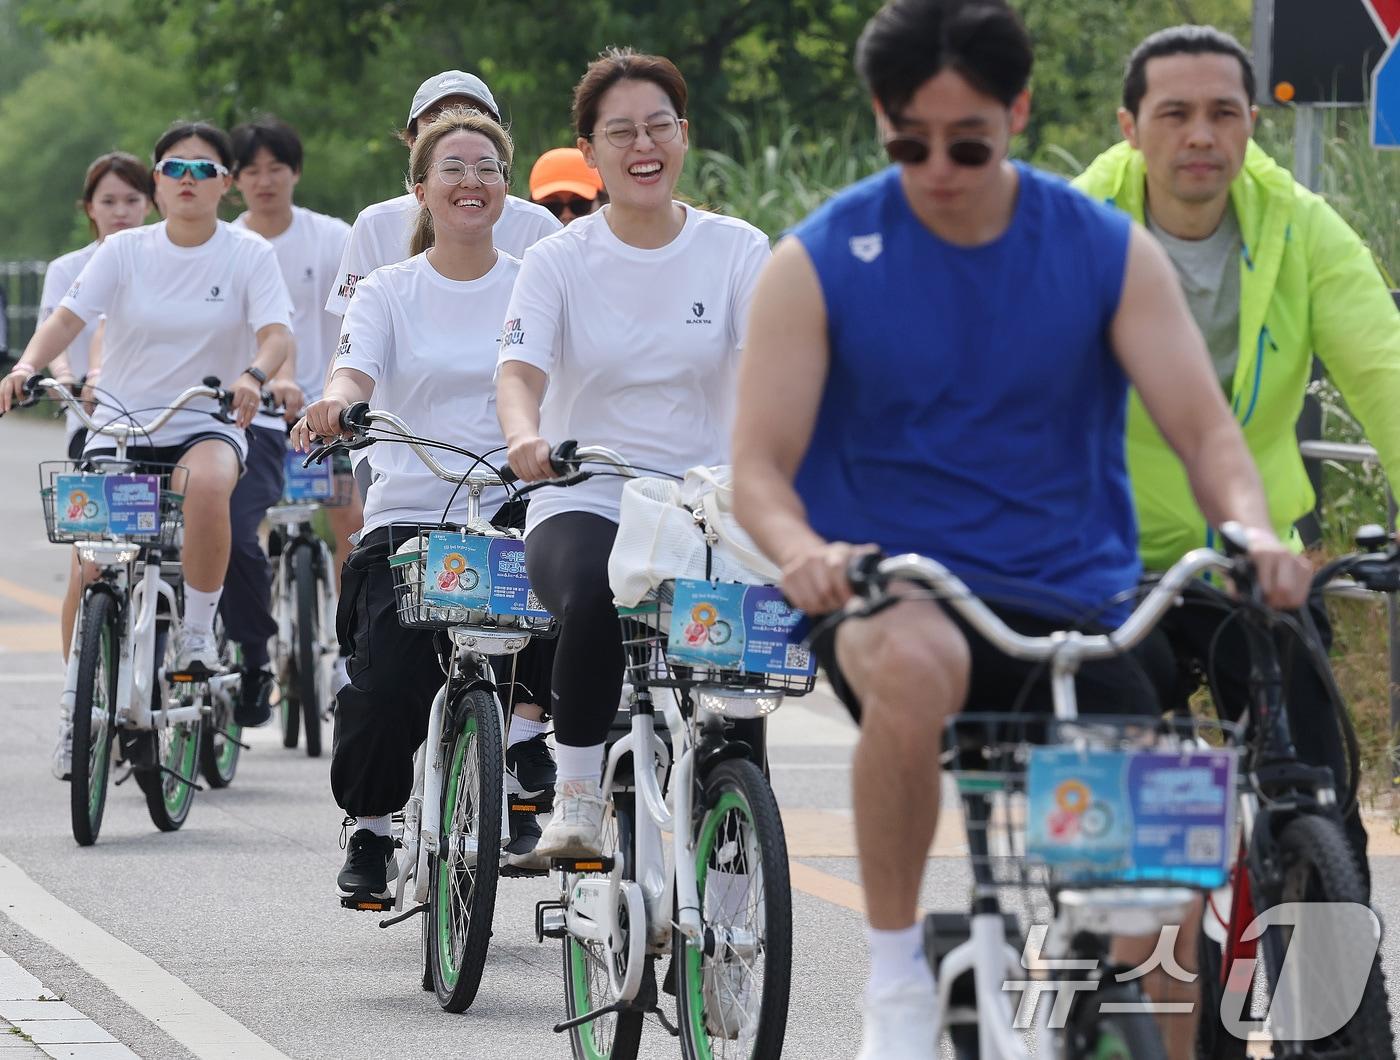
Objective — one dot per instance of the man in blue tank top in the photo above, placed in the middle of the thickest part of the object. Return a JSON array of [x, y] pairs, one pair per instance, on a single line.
[[953, 340]]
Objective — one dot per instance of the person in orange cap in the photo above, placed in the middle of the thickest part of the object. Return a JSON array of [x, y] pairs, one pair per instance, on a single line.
[[565, 185]]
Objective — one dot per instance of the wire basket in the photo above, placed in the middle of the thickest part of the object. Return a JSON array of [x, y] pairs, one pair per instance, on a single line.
[[646, 631], [988, 755], [409, 565], [162, 528]]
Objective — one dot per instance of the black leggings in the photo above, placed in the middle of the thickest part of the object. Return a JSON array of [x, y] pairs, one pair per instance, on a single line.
[[567, 559]]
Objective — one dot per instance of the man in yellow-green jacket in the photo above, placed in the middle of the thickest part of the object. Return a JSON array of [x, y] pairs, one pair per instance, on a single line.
[[1272, 275]]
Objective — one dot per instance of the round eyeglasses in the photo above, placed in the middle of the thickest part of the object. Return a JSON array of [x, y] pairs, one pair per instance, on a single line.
[[452, 171], [623, 133]]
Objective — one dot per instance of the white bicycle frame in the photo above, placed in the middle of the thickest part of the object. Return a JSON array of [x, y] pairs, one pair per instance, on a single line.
[[1100, 910], [289, 517]]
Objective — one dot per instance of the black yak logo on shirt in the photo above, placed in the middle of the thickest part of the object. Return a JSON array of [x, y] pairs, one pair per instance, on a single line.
[[214, 294], [697, 314]]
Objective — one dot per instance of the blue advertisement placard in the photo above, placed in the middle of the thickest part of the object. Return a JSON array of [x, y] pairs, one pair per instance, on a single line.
[[479, 573], [1132, 815], [731, 626], [302, 484], [98, 505]]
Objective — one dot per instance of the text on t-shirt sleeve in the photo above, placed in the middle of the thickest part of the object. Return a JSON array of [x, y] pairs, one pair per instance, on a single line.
[[366, 335], [534, 317]]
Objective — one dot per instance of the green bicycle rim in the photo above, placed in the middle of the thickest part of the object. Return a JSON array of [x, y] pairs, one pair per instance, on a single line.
[[446, 961], [730, 800], [100, 750], [229, 751], [184, 755], [578, 969]]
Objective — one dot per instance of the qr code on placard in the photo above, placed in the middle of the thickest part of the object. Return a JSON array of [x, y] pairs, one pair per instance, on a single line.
[[796, 657], [532, 602], [1204, 843], [145, 520]]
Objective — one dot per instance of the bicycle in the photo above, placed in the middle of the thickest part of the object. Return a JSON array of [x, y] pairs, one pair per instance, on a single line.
[[721, 904], [120, 676], [1292, 846], [458, 811], [304, 599], [1017, 776]]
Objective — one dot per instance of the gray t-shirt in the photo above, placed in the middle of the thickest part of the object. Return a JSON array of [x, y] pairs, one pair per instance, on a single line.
[[1209, 270]]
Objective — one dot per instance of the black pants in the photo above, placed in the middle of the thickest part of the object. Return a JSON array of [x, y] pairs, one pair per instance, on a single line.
[[382, 714], [567, 560], [1192, 630], [246, 604]]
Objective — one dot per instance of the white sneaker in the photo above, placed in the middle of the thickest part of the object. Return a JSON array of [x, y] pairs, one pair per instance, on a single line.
[[901, 1023], [196, 646], [727, 987], [63, 750], [575, 830]]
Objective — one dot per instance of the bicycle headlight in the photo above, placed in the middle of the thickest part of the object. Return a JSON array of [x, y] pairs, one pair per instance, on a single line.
[[737, 704], [108, 554]]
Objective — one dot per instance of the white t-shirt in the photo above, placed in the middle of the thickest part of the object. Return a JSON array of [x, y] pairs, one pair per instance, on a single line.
[[175, 315], [58, 277], [640, 346], [309, 253], [429, 344], [382, 232]]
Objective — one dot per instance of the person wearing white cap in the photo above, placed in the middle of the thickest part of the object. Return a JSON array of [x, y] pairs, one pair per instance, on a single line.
[[381, 232]]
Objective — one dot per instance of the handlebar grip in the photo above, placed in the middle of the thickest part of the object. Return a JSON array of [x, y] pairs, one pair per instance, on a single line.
[[32, 384], [212, 381], [1234, 538], [353, 418], [508, 475], [862, 571]]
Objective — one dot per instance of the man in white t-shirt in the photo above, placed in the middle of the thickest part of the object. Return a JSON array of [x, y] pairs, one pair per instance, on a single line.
[[381, 232], [267, 166]]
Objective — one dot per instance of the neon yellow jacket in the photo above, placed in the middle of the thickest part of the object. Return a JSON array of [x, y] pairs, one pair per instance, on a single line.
[[1307, 284]]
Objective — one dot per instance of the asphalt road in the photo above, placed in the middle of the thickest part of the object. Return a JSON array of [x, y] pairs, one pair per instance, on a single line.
[[228, 936]]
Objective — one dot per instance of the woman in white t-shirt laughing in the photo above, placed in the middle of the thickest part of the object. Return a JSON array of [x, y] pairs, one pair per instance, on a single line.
[[180, 298], [419, 339], [623, 331]]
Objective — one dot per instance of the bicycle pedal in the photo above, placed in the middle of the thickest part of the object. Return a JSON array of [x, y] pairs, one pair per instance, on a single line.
[[515, 872], [581, 864], [534, 806], [366, 904], [194, 675]]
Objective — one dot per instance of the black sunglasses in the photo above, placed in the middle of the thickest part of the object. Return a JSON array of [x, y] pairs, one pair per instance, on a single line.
[[911, 150], [578, 205]]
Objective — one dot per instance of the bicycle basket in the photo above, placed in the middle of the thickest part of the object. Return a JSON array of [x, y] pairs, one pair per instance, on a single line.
[[1095, 801], [472, 581], [109, 501], [726, 637]]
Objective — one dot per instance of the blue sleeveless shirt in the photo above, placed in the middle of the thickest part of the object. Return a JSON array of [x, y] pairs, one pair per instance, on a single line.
[[974, 409]]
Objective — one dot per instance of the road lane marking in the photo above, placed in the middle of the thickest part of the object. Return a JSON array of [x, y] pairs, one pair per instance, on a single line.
[[45, 602], [166, 1001], [827, 887], [29, 638]]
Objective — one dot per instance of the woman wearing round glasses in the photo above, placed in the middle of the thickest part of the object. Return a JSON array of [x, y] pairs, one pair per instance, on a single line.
[[181, 298], [623, 331], [419, 338]]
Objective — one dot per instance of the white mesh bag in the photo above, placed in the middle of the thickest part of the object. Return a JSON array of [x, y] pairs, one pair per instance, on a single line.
[[686, 529]]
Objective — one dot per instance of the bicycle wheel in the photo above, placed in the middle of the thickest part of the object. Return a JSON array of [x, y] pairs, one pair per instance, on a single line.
[[218, 745], [1318, 865], [176, 759], [306, 645], [1213, 1041], [618, 1035], [735, 1003], [94, 715], [1098, 1035], [463, 874]]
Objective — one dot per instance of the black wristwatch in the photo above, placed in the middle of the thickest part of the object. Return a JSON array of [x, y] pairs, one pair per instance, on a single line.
[[256, 373]]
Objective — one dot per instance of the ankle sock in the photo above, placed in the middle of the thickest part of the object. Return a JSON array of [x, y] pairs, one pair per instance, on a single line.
[[381, 826], [580, 769], [522, 729], [200, 608], [897, 958]]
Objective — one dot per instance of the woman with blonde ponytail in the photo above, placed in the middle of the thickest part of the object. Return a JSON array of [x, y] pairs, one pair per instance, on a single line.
[[420, 339]]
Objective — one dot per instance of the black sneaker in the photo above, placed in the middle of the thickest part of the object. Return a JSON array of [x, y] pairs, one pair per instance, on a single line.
[[532, 772], [525, 833], [254, 704], [369, 866]]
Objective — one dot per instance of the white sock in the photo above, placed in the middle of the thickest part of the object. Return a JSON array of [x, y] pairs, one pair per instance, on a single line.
[[897, 958], [200, 608], [377, 825], [580, 769], [522, 729]]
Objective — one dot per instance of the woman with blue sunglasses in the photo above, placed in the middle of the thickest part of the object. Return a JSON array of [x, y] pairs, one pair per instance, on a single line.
[[183, 299]]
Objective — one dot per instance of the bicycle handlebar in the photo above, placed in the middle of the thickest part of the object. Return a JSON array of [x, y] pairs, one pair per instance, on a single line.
[[211, 388]]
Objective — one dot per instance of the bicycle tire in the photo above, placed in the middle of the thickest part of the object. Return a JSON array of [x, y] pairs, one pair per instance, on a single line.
[[617, 1036], [219, 747], [168, 799], [1213, 1040], [288, 707], [306, 646], [1098, 1035], [1319, 866], [738, 835], [96, 697], [460, 924]]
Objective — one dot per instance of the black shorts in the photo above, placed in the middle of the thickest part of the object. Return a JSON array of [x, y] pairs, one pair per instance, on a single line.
[[1137, 682], [76, 443], [167, 455]]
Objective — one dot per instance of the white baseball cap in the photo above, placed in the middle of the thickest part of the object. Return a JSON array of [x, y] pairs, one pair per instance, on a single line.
[[451, 83]]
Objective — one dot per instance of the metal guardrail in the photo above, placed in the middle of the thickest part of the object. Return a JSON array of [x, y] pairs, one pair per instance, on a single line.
[[1348, 453], [21, 284]]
